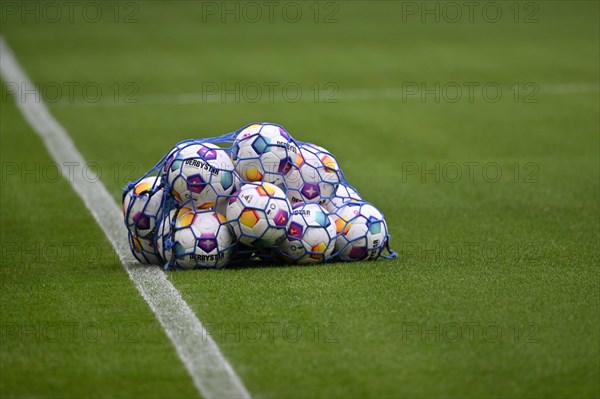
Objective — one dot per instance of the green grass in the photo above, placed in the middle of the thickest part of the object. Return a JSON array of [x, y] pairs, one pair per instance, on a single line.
[[72, 322], [528, 251]]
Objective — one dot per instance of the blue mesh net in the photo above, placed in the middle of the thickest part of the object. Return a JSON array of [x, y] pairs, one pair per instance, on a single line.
[[256, 195]]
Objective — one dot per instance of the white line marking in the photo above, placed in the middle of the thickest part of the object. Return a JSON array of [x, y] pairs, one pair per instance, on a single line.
[[389, 93], [212, 374]]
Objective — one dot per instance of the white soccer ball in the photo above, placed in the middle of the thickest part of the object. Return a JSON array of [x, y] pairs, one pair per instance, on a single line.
[[201, 239], [343, 194], [263, 152], [310, 236], [362, 231], [163, 234], [141, 205], [223, 202], [314, 177], [144, 250], [199, 174], [259, 214], [163, 231], [164, 170]]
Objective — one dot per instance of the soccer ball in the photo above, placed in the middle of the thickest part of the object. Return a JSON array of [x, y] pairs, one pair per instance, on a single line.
[[310, 236], [144, 250], [314, 177], [141, 205], [168, 159], [263, 152], [199, 174], [259, 214], [223, 202], [200, 239], [362, 231], [266, 198], [343, 194], [163, 232]]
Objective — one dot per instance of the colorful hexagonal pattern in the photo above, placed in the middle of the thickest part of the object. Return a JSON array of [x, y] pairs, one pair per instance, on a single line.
[[235, 149], [299, 159], [342, 226], [260, 145], [168, 162], [284, 166], [196, 184], [266, 190], [226, 179], [295, 230], [253, 174], [179, 250], [374, 225], [136, 243], [322, 219], [220, 218], [206, 205], [207, 242], [330, 164], [176, 164], [185, 219], [249, 218], [177, 196], [318, 251], [142, 221], [284, 133], [281, 218], [310, 190], [142, 187], [207, 153]]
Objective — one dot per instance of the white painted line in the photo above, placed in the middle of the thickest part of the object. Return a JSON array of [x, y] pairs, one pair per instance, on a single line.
[[211, 372]]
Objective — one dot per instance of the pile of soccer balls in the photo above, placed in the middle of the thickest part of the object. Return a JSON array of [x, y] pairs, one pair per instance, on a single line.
[[255, 195]]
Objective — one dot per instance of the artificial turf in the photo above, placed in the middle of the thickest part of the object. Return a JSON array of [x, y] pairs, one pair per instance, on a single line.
[[495, 289]]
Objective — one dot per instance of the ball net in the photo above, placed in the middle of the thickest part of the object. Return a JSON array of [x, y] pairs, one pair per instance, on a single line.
[[253, 196]]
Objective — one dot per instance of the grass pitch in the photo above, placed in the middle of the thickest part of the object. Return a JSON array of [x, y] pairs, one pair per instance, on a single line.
[[492, 201]]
